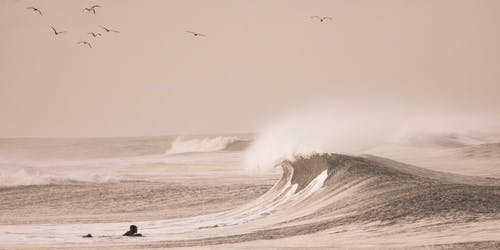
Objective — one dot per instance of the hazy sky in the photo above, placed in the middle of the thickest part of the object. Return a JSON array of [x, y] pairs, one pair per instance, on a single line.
[[258, 60]]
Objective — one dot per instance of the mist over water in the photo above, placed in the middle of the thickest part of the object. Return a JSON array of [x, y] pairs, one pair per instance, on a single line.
[[354, 130]]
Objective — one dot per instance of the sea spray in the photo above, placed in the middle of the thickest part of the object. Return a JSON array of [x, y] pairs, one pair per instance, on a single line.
[[354, 130]]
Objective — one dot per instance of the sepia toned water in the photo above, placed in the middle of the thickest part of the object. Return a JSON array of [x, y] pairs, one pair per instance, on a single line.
[[194, 192]]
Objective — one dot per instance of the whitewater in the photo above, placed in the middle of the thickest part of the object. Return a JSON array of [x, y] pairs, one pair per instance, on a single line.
[[251, 192]]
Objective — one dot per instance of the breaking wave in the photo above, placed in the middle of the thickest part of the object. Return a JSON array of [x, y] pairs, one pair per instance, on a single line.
[[206, 145], [323, 192], [29, 176]]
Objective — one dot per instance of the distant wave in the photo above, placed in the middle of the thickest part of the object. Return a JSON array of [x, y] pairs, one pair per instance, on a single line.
[[208, 144], [447, 140], [29, 176], [488, 151]]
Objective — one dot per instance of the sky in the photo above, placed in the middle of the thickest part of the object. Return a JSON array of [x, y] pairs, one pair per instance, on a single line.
[[258, 60]]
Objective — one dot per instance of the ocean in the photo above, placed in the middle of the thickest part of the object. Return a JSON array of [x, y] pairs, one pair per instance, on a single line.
[[198, 192]]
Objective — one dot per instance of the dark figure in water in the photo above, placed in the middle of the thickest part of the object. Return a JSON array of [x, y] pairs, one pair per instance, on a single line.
[[87, 236], [132, 232]]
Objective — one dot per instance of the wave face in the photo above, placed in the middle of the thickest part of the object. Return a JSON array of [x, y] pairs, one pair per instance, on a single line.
[[206, 145], [361, 189]]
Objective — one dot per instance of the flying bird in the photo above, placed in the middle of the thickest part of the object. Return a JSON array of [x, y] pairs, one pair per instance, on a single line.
[[95, 34], [85, 42], [88, 10], [109, 30], [195, 34], [35, 9], [91, 9], [57, 32], [322, 18]]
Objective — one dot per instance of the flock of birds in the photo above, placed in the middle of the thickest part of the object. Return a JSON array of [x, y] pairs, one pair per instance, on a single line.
[[92, 10]]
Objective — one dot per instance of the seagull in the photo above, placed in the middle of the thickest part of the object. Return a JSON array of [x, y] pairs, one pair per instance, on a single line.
[[322, 18], [56, 32], [109, 30], [35, 9], [85, 42], [95, 34], [195, 34], [88, 10], [92, 8]]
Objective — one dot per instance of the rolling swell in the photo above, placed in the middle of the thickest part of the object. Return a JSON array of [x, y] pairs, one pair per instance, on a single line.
[[382, 189]]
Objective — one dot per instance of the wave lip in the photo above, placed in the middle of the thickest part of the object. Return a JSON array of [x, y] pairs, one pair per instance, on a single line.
[[206, 145]]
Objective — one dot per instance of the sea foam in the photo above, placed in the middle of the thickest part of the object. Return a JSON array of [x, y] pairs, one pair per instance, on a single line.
[[201, 145]]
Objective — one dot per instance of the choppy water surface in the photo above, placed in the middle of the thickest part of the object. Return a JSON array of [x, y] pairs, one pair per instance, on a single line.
[[194, 192]]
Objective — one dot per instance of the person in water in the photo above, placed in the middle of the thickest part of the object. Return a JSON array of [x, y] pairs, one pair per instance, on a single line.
[[132, 232]]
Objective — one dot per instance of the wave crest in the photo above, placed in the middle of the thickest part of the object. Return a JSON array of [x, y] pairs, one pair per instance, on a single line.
[[206, 145]]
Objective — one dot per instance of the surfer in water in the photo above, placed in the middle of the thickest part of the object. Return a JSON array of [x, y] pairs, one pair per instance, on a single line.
[[132, 232]]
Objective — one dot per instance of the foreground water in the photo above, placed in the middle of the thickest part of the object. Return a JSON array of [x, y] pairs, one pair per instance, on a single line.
[[193, 192]]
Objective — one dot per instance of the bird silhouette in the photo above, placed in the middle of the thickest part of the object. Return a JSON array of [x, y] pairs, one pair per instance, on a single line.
[[35, 9], [95, 34], [109, 30], [194, 33], [91, 9], [85, 42], [57, 32], [322, 18]]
